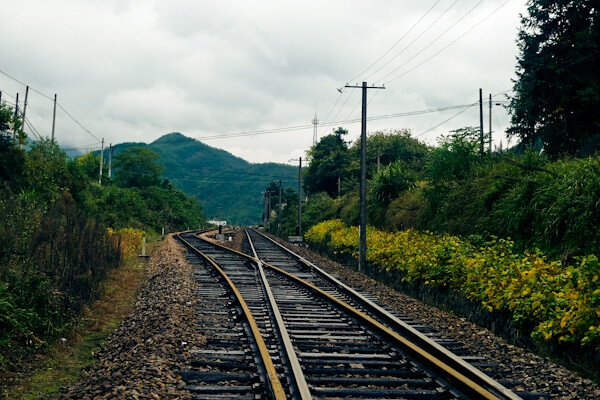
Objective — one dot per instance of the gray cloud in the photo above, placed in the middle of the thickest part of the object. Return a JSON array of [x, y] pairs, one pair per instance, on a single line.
[[134, 70]]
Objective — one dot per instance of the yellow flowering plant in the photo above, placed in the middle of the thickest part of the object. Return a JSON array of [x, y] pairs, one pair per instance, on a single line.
[[561, 302]]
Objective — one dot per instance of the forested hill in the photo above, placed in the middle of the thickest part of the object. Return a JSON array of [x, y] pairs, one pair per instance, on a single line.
[[228, 187]]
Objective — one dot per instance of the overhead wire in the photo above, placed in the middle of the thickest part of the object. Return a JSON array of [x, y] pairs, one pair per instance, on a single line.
[[397, 42], [52, 99], [433, 41], [416, 38], [449, 44]]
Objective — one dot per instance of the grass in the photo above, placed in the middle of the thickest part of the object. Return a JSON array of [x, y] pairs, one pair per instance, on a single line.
[[64, 362]]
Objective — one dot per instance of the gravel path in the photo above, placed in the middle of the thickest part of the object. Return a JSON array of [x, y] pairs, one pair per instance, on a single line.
[[143, 357], [538, 374]]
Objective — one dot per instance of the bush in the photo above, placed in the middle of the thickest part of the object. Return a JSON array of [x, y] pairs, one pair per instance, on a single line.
[[562, 303]]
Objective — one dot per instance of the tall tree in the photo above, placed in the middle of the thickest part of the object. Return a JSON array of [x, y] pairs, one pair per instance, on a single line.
[[329, 161], [557, 92], [138, 167]]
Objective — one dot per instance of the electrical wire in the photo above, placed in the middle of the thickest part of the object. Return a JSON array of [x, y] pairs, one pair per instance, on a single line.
[[433, 41], [52, 99], [395, 44], [449, 44], [417, 38]]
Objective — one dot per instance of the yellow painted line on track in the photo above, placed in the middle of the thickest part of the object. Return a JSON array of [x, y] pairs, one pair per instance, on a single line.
[[276, 386], [482, 392]]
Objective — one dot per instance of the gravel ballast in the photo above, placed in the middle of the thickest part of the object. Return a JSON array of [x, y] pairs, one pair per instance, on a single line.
[[143, 357]]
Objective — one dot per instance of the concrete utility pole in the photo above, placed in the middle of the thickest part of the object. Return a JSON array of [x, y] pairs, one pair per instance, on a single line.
[[101, 162], [481, 150], [269, 209], [300, 197], [54, 117], [279, 213], [490, 138], [110, 150], [25, 107], [16, 115], [362, 245], [315, 122]]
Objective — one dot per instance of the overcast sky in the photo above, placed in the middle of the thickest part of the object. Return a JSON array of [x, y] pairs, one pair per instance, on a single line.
[[135, 70]]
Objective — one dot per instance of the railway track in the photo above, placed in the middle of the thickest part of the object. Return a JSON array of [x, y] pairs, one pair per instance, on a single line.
[[279, 327]]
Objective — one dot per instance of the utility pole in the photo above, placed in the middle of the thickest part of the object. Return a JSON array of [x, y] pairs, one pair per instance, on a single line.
[[339, 186], [490, 138], [300, 197], [25, 106], [481, 151], [315, 122], [101, 161], [362, 231], [269, 209], [378, 158], [279, 213], [110, 150], [54, 117], [16, 115]]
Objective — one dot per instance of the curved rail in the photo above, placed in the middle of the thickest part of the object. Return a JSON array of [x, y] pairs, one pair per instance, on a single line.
[[275, 384], [455, 370], [300, 380], [440, 353]]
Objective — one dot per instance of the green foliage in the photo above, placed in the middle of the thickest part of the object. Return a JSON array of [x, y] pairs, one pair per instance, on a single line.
[[329, 161], [455, 157], [46, 170], [561, 303], [557, 90], [320, 207], [389, 147], [234, 190], [137, 167], [391, 181], [56, 250]]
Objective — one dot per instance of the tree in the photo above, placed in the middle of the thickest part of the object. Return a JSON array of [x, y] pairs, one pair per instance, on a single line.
[[397, 145], [46, 170], [137, 167], [557, 92], [329, 161], [456, 156]]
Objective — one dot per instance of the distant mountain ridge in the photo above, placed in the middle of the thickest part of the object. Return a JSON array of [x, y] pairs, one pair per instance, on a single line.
[[228, 187]]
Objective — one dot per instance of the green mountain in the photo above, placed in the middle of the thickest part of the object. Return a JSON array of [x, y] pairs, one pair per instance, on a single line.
[[228, 187]]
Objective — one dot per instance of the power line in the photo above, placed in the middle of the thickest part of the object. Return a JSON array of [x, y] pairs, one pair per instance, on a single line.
[[443, 122], [52, 99], [416, 38], [449, 44], [395, 44], [434, 40]]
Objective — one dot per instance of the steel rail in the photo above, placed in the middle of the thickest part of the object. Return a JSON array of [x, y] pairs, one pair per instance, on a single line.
[[460, 373], [275, 383], [300, 380], [441, 352]]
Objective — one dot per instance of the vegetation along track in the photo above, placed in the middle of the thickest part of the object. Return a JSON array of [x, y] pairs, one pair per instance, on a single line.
[[306, 335]]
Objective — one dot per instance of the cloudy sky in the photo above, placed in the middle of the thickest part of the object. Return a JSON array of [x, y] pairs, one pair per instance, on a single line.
[[133, 70]]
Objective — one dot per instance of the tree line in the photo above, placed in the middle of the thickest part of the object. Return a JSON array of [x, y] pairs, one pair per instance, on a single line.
[[542, 193], [56, 246]]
